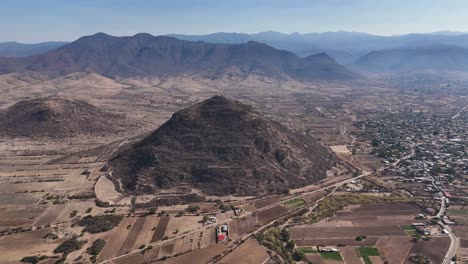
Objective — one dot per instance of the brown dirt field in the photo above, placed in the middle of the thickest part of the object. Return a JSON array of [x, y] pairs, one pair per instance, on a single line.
[[240, 228], [167, 248], [201, 255], [183, 224], [13, 253], [50, 215], [15, 200], [464, 243], [350, 256], [30, 187], [394, 249], [208, 237], [376, 260], [267, 201], [315, 258], [388, 207], [135, 258], [298, 233], [160, 229], [309, 198], [249, 207], [116, 239], [268, 215], [152, 254], [435, 249], [370, 241], [16, 246], [250, 252], [461, 231], [29, 212], [132, 236], [146, 232], [187, 242], [80, 206], [25, 236], [105, 191], [15, 222]]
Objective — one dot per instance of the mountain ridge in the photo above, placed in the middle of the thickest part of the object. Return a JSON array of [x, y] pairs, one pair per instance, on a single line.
[[144, 54]]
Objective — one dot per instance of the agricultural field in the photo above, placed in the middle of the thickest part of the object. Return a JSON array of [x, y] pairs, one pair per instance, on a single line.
[[372, 233], [294, 203], [250, 252]]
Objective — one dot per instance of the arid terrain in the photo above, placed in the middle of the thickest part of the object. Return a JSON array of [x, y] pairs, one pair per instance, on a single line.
[[242, 166]]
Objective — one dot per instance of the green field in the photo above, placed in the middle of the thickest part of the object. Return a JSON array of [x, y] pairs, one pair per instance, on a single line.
[[365, 252], [307, 250], [331, 256], [410, 230], [294, 203]]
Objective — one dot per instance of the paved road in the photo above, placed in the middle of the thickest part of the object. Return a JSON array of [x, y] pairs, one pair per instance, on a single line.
[[459, 112], [453, 238]]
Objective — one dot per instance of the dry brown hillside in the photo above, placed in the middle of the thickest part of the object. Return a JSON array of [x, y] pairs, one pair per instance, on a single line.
[[222, 147]]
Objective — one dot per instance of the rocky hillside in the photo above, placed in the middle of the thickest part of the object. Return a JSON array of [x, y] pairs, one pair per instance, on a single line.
[[222, 147], [57, 117]]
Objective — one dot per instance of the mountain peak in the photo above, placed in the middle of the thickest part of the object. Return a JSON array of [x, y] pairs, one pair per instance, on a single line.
[[222, 147]]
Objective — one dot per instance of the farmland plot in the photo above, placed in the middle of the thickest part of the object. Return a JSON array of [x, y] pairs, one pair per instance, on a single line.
[[250, 252], [116, 239]]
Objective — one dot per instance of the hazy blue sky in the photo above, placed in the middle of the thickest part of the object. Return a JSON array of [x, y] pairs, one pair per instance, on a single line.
[[43, 20]]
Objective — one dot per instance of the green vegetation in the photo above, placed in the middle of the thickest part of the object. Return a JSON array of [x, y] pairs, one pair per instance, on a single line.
[[193, 208], [307, 250], [365, 252], [294, 203], [277, 240], [410, 231], [328, 206], [99, 223], [33, 259], [361, 238], [331, 256], [96, 247], [67, 247]]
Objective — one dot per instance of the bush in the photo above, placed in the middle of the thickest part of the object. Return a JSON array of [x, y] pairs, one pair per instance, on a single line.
[[298, 255], [69, 246], [193, 208], [96, 247], [99, 223], [33, 259]]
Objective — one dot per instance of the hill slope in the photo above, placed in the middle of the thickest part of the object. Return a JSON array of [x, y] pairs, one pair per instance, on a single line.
[[222, 147], [144, 54], [57, 117], [416, 59]]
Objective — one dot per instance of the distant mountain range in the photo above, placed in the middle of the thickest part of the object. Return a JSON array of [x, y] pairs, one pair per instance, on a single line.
[[440, 58], [144, 55], [299, 56], [15, 49], [344, 47]]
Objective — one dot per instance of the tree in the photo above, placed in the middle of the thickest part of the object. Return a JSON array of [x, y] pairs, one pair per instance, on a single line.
[[284, 235], [298, 255], [290, 245], [193, 208]]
